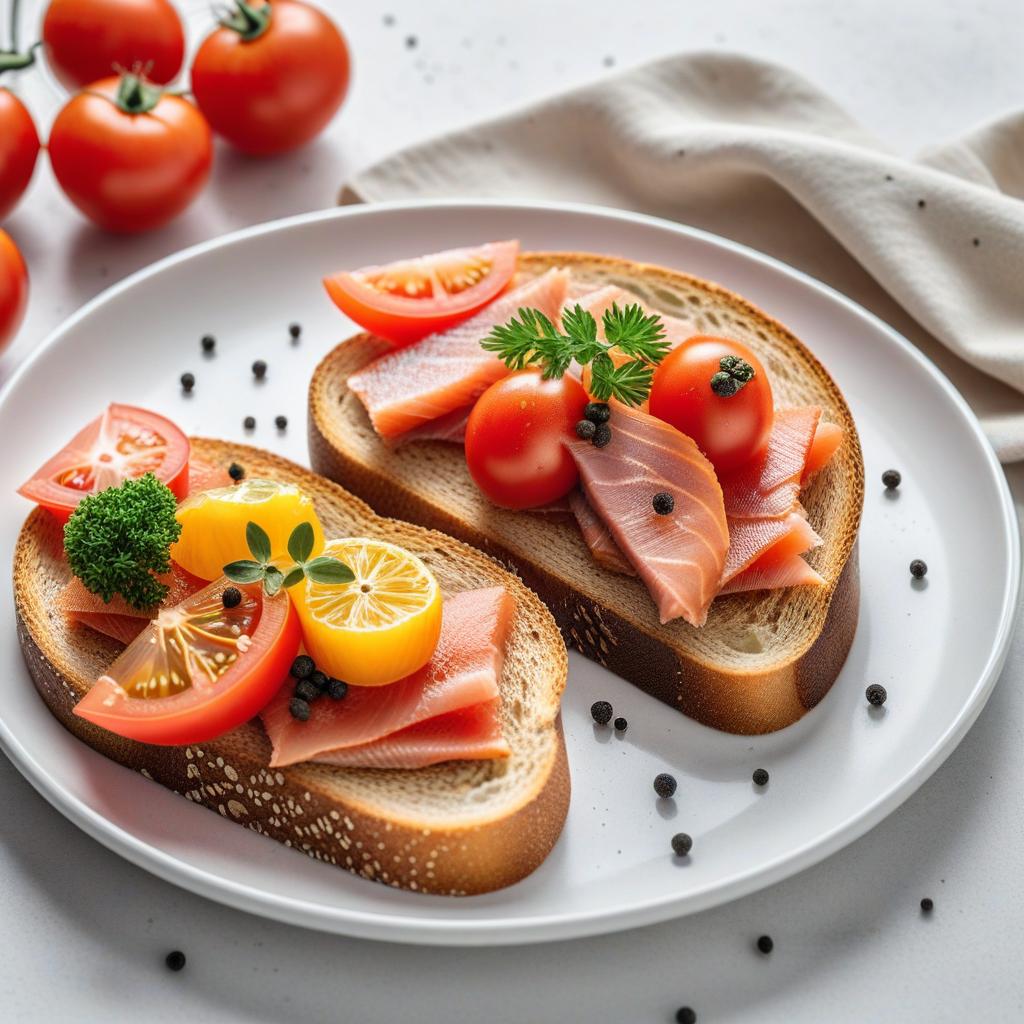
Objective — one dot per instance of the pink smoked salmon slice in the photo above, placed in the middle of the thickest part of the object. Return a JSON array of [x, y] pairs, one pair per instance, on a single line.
[[450, 427], [827, 439], [752, 539], [447, 371], [598, 538], [771, 486], [464, 671], [470, 734], [679, 557], [769, 574]]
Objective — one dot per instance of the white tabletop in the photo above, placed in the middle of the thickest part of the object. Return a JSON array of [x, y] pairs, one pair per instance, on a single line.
[[84, 934]]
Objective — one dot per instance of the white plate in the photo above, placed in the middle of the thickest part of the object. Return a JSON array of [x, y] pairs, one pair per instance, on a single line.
[[937, 648]]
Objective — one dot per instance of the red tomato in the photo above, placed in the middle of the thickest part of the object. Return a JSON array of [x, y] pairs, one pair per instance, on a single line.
[[13, 288], [129, 156], [728, 430], [91, 39], [122, 443], [516, 435], [409, 299], [271, 77], [198, 670], [19, 147]]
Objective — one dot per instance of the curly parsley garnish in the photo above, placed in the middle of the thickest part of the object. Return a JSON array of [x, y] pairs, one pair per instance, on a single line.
[[533, 340]]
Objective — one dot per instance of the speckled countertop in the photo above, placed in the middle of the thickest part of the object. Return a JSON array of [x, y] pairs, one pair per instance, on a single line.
[[84, 934]]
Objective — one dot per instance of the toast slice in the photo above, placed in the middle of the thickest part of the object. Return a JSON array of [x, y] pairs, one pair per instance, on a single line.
[[457, 828], [762, 659]]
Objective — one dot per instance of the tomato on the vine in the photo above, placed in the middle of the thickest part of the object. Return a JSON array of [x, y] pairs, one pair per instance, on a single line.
[[516, 439], [87, 40], [13, 288], [19, 147], [272, 76], [716, 391], [129, 155]]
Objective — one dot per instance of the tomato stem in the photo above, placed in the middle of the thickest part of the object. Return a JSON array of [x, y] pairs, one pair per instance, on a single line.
[[135, 95], [12, 60], [248, 21]]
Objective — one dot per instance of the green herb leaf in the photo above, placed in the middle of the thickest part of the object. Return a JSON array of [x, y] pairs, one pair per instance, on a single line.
[[630, 383], [636, 333], [326, 569], [272, 580], [258, 541], [244, 571], [300, 543], [296, 575]]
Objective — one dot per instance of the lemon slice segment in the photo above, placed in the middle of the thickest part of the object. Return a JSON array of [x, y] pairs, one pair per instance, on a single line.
[[381, 626]]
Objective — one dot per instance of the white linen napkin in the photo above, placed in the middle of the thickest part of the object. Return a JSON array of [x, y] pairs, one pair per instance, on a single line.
[[751, 151]]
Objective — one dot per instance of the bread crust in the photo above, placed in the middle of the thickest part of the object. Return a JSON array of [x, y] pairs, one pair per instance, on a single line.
[[605, 616], [331, 814]]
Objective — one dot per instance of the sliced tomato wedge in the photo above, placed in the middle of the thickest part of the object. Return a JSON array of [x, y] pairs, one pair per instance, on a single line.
[[409, 299], [124, 442], [198, 669]]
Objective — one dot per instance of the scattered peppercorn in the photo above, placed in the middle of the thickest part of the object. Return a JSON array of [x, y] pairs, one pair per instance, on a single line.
[[892, 479], [927, 905], [876, 694], [175, 960], [235, 471], [765, 944], [299, 709], [295, 330], [663, 503], [682, 844], [975, 242], [338, 689], [597, 412], [918, 569], [664, 785], [232, 597], [188, 382], [685, 1015], [760, 777], [305, 690], [585, 430], [319, 680], [602, 435], [281, 422], [249, 423], [601, 712], [209, 342], [259, 369], [410, 42], [621, 725], [920, 204], [302, 667]]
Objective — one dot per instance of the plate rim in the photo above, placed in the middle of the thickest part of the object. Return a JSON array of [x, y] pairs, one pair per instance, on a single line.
[[536, 928]]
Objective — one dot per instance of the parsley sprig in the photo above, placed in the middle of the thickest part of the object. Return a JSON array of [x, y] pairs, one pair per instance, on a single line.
[[533, 340], [322, 569]]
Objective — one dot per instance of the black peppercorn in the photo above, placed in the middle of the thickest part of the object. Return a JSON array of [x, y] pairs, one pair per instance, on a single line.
[[305, 690], [664, 785], [918, 569], [760, 777], [175, 960], [597, 412], [338, 689], [927, 905], [294, 330], [620, 724], [876, 694], [232, 597], [299, 709], [259, 369], [236, 472], [602, 435], [892, 479], [249, 423], [601, 712], [765, 944], [585, 430], [302, 667], [684, 1015], [682, 844], [280, 422], [209, 342], [188, 382], [663, 503], [319, 680]]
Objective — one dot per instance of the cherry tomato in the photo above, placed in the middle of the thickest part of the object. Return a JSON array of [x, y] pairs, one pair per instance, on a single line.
[[198, 669], [91, 39], [409, 299], [128, 155], [123, 442], [516, 439], [19, 147], [13, 288], [729, 430], [272, 76]]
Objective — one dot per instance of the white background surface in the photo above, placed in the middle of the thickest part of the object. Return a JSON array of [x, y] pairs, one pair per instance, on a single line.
[[84, 933]]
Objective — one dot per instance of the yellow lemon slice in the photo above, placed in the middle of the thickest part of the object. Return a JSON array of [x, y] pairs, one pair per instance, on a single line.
[[213, 524], [380, 627]]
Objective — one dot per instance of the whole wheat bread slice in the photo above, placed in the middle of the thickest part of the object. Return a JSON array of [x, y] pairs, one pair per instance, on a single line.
[[763, 659], [457, 828]]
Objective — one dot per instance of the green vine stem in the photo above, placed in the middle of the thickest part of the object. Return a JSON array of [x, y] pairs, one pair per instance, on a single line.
[[248, 21]]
